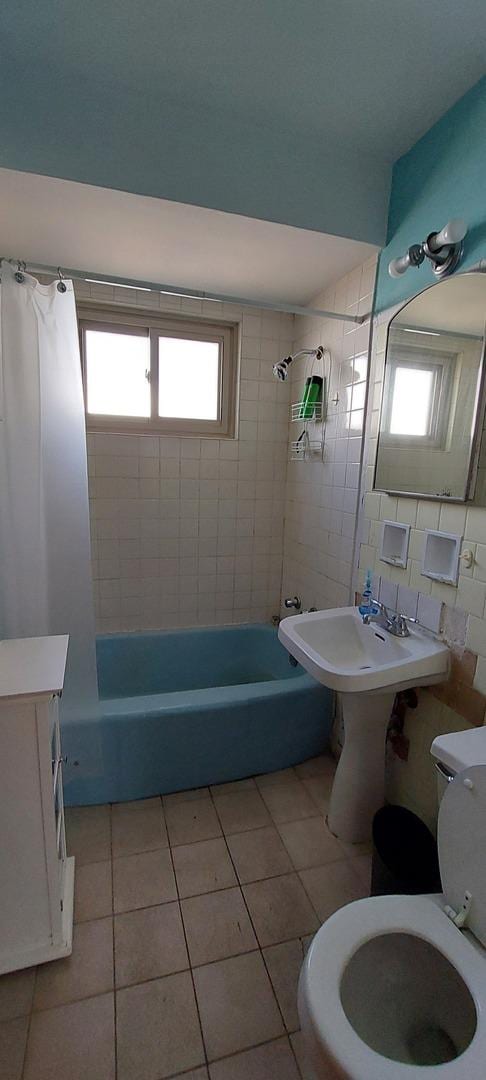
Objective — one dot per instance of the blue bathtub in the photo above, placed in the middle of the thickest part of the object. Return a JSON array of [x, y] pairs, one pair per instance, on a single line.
[[186, 708]]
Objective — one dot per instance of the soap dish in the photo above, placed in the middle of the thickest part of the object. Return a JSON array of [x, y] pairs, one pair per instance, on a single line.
[[441, 556], [394, 543]]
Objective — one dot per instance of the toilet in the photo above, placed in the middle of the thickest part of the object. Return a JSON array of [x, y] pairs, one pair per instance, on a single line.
[[394, 987]]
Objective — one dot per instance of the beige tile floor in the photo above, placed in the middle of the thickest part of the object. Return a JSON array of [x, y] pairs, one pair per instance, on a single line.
[[192, 916]]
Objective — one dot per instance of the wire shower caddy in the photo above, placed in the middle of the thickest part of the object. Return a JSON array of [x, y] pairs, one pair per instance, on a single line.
[[310, 444]]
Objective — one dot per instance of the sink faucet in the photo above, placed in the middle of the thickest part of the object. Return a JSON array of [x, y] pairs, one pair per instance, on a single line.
[[395, 624]]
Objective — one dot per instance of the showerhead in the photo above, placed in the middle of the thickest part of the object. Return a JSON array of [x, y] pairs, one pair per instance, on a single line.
[[281, 368]]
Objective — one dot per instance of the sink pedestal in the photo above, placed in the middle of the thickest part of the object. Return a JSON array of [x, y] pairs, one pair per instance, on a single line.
[[359, 784], [366, 664]]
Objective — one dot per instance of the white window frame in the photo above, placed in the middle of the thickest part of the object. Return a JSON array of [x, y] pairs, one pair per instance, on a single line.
[[128, 321], [442, 365]]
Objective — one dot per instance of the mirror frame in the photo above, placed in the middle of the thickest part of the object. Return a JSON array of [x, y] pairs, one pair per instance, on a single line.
[[479, 410]]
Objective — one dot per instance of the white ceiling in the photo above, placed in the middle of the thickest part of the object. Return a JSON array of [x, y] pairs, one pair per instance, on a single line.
[[60, 222]]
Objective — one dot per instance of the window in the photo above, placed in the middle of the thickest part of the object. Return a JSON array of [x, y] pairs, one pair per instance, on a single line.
[[417, 398], [163, 375], [411, 406]]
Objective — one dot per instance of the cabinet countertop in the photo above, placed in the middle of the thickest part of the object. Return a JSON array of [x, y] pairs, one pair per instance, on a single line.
[[31, 667]]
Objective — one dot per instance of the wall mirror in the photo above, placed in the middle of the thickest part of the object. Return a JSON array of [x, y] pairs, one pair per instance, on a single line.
[[433, 403]]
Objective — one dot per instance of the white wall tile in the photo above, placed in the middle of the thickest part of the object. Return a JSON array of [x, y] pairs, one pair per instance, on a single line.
[[471, 595], [407, 601], [480, 675], [476, 524], [169, 516], [321, 496], [428, 612], [389, 594], [452, 519]]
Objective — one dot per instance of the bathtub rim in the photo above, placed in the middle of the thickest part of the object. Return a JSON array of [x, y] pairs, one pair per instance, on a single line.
[[190, 700]]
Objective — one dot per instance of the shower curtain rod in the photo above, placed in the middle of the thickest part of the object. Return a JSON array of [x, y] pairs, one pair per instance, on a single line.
[[194, 294]]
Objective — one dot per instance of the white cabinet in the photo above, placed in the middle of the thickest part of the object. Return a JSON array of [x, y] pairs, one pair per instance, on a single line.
[[36, 877]]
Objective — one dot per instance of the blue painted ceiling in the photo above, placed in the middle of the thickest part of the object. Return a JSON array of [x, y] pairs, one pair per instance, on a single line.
[[287, 109]]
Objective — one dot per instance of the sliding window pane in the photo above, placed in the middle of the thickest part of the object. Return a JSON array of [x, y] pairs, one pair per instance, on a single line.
[[117, 373], [412, 401], [188, 378]]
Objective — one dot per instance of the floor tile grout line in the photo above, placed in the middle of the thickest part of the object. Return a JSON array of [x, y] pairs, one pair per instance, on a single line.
[[327, 863], [246, 1050], [213, 795], [30, 1015], [242, 952], [298, 782], [193, 984], [297, 1064], [260, 949], [237, 1053], [342, 857], [139, 851], [211, 798], [243, 832], [151, 979], [90, 997], [226, 833], [348, 858], [211, 892], [157, 978]]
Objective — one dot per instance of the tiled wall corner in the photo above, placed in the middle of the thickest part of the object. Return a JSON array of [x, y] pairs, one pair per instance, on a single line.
[[321, 500]]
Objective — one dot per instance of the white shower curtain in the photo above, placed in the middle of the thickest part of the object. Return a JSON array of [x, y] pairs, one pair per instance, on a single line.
[[45, 572]]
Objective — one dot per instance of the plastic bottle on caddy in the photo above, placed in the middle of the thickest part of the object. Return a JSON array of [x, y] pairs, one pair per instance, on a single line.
[[367, 606], [311, 396]]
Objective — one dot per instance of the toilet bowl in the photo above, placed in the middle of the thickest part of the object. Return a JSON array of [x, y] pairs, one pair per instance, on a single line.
[[395, 986]]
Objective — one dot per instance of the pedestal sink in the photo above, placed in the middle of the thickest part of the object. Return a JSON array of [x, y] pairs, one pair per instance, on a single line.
[[367, 665]]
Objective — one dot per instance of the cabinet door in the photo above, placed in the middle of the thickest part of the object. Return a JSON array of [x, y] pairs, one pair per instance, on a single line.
[[59, 820], [25, 902], [50, 768]]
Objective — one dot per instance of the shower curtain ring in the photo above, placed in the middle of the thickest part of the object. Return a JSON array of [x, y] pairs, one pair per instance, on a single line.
[[21, 265], [61, 285]]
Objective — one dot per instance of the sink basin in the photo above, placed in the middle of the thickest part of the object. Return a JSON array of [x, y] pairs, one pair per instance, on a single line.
[[340, 651], [367, 665]]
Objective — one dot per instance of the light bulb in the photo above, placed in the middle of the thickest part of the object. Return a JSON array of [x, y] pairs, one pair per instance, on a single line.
[[452, 233], [397, 267]]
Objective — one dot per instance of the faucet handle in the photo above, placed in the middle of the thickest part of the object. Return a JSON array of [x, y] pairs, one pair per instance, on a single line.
[[400, 624]]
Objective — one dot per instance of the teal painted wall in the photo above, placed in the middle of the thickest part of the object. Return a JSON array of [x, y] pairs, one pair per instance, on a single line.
[[443, 176], [92, 134]]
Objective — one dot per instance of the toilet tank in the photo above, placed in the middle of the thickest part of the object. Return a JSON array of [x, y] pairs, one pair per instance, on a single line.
[[457, 751]]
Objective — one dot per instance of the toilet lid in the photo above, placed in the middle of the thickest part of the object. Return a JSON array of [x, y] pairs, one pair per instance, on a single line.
[[461, 843]]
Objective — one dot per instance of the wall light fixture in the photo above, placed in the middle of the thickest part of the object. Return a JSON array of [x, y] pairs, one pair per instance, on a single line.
[[444, 249]]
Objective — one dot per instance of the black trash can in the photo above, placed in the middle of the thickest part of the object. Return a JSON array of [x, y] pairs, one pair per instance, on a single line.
[[405, 856]]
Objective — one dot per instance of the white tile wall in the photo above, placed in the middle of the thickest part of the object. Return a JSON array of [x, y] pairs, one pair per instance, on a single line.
[[190, 531], [322, 495]]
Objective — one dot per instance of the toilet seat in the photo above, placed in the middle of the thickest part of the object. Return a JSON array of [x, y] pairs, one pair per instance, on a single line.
[[341, 937]]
